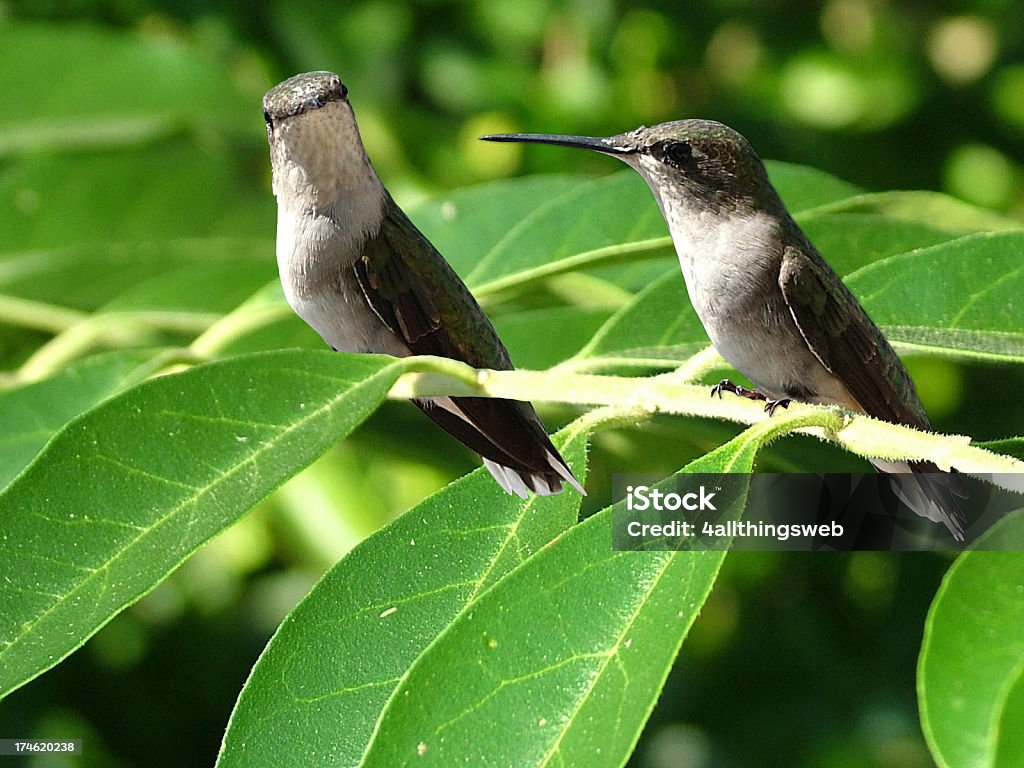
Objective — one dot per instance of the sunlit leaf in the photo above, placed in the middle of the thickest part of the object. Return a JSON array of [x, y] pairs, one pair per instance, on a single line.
[[126, 492], [33, 413], [958, 297], [559, 663], [969, 677], [338, 657]]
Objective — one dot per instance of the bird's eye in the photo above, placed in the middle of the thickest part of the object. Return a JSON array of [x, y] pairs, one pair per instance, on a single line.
[[266, 117], [679, 152]]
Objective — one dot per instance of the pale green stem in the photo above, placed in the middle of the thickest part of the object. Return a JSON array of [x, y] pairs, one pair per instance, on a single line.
[[110, 329], [235, 325], [38, 315], [588, 259], [697, 366], [857, 433]]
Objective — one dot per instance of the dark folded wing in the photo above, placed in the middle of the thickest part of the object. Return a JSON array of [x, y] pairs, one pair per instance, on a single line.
[[845, 340]]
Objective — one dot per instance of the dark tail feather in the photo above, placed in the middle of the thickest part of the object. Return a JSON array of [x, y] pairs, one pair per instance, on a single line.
[[928, 491], [510, 437]]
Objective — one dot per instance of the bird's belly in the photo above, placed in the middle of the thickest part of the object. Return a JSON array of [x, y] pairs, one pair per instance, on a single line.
[[775, 357], [772, 355], [347, 324]]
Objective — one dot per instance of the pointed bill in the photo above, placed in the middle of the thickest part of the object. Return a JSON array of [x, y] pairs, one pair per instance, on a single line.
[[608, 146]]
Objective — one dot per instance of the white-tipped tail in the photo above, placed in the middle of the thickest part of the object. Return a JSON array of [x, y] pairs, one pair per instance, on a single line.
[[520, 482]]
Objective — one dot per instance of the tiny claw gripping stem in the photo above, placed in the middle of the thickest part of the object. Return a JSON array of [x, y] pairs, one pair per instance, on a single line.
[[771, 405], [727, 386]]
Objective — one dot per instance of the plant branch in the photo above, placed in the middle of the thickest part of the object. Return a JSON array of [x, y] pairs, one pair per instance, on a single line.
[[668, 393]]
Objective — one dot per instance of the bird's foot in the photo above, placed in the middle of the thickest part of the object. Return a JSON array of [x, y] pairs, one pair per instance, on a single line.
[[727, 386], [751, 394]]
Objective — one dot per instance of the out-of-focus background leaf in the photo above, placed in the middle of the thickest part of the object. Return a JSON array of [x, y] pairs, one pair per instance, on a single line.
[[134, 195]]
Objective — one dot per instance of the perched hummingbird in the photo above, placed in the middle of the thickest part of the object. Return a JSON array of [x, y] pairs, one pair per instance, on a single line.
[[770, 304], [363, 276]]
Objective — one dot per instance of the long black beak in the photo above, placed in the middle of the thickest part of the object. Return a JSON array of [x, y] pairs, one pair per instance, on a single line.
[[605, 146]]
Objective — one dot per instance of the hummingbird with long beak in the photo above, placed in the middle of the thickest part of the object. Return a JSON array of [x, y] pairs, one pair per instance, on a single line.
[[770, 304], [359, 272]]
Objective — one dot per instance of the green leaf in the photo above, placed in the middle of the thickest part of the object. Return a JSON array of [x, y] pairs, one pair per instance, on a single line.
[[970, 675], [32, 414], [1011, 446], [91, 277], [573, 230], [172, 190], [970, 311], [803, 189], [849, 241], [126, 492], [658, 328], [467, 224], [318, 689], [550, 224], [924, 207], [958, 297], [541, 338], [214, 287], [560, 663]]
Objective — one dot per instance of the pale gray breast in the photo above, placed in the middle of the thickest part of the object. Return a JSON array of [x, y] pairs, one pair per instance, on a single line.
[[315, 255], [731, 264]]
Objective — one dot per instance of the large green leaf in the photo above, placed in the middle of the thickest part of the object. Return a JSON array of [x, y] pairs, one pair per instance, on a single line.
[[91, 277], [542, 338], [657, 328], [852, 240], [960, 297], [550, 224], [176, 189], [804, 189], [126, 492], [575, 230], [467, 224], [970, 675], [560, 663], [128, 144], [315, 695]]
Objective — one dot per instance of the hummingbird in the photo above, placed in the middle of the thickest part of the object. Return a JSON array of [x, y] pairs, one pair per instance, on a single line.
[[771, 305], [359, 272]]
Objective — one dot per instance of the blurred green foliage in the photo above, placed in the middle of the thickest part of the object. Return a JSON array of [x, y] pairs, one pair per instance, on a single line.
[[797, 660], [888, 95]]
